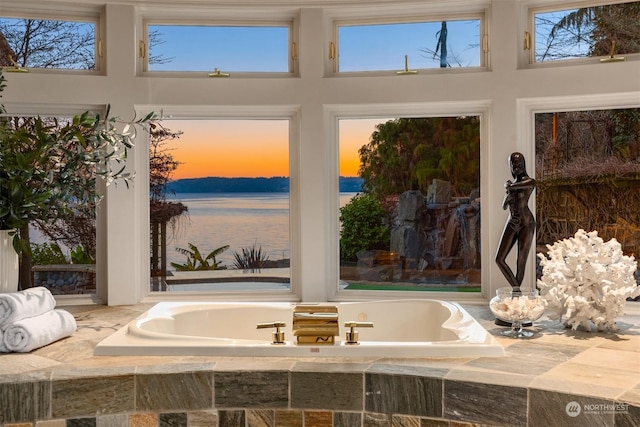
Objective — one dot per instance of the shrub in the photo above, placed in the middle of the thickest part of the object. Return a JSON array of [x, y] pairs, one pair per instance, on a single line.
[[362, 226], [47, 254], [80, 256], [251, 259], [195, 260]]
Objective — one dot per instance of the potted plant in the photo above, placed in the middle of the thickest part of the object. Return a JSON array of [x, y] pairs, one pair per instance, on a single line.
[[45, 164]]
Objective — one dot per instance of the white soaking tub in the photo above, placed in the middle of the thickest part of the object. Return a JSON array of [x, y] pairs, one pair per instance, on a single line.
[[401, 328]]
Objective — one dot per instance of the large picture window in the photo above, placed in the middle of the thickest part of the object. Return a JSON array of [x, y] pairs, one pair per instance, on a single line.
[[588, 175], [219, 209], [410, 204]]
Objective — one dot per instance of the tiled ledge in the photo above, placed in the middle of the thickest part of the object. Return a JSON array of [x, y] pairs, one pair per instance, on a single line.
[[64, 384]]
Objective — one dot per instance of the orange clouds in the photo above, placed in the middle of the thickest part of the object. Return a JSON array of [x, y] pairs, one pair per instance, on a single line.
[[231, 148], [253, 148]]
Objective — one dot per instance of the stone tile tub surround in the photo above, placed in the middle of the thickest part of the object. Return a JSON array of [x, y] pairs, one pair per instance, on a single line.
[[64, 384]]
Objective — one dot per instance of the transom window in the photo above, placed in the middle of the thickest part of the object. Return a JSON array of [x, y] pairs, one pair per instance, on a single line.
[[404, 46], [67, 44], [595, 31], [220, 49]]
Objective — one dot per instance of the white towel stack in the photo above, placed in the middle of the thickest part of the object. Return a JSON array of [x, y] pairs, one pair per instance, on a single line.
[[29, 320]]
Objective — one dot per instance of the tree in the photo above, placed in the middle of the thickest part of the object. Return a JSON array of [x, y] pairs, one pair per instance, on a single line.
[[597, 28], [162, 165], [442, 45], [42, 43], [45, 165], [408, 153]]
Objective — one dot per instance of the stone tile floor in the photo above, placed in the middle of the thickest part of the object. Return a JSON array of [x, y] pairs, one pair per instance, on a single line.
[[602, 365]]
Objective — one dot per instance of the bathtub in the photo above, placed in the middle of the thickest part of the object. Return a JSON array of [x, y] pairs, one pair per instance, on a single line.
[[401, 328]]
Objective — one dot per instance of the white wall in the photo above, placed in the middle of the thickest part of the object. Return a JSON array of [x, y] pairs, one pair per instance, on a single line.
[[509, 93]]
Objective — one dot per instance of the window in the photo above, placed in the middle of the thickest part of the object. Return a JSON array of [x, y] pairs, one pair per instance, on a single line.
[[63, 44], [410, 204], [587, 175], [596, 31], [61, 232], [264, 48], [219, 209], [399, 46]]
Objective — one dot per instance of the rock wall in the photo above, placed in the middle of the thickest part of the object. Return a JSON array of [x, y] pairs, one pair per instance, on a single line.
[[436, 232]]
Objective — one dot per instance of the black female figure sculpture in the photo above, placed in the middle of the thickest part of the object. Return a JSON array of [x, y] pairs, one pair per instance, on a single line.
[[521, 225]]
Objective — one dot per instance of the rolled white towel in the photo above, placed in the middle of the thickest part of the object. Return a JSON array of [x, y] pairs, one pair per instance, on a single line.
[[31, 302], [35, 332]]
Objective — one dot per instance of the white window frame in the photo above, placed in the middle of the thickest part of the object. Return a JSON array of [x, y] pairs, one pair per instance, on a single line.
[[266, 19], [526, 57], [334, 52], [77, 13], [332, 115], [276, 112]]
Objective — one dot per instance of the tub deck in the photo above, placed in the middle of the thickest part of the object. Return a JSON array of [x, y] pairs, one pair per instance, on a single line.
[[539, 377], [401, 328]]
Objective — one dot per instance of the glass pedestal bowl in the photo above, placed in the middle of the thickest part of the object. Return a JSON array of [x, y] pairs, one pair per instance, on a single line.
[[517, 306]]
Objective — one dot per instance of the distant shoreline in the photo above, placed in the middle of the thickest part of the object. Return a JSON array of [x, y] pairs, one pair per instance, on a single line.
[[249, 185]]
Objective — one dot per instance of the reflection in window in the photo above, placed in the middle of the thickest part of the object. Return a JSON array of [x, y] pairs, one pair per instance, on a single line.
[[377, 47], [588, 175], [585, 32], [219, 208], [46, 43], [227, 48], [410, 204]]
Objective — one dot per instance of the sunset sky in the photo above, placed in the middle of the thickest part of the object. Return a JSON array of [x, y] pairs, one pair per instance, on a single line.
[[253, 148]]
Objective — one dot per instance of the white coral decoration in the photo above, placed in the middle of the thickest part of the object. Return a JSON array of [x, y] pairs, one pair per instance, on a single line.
[[586, 279]]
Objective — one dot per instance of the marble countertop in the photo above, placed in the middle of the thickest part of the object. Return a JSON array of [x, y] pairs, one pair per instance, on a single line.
[[597, 364]]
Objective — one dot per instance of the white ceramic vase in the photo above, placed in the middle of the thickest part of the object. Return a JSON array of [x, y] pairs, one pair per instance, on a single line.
[[9, 267]]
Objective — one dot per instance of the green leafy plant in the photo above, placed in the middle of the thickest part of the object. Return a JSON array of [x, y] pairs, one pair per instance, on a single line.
[[46, 165], [252, 258], [362, 226], [47, 254], [195, 260], [80, 256]]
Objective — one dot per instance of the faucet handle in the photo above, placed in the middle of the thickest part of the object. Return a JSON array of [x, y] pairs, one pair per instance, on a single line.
[[352, 334], [278, 335]]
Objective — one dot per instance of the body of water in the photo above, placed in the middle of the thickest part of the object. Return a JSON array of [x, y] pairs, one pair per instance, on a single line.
[[240, 220]]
